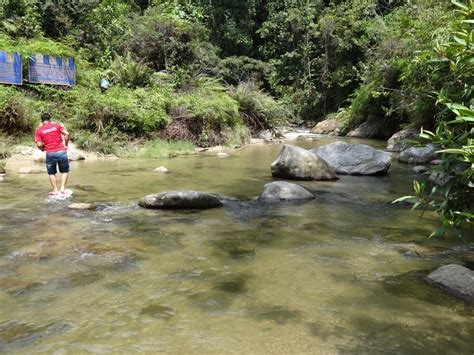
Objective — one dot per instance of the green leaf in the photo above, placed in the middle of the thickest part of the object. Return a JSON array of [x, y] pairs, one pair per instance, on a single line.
[[439, 232]]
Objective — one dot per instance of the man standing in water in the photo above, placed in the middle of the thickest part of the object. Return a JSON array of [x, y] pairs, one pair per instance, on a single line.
[[49, 138]]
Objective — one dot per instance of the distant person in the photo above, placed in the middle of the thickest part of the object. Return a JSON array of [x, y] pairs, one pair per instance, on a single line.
[[49, 138], [104, 84]]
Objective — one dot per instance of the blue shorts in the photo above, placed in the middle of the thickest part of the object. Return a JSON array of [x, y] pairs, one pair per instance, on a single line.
[[58, 158]]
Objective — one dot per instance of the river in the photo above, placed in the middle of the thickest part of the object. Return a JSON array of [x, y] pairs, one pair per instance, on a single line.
[[340, 274]]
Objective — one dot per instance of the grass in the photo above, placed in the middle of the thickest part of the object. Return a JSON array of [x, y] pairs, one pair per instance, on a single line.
[[160, 149], [2, 166]]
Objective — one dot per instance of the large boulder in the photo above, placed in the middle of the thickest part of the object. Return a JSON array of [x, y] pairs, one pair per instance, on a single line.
[[397, 142], [354, 159], [300, 164], [331, 127], [181, 199], [418, 155], [454, 279], [284, 191]]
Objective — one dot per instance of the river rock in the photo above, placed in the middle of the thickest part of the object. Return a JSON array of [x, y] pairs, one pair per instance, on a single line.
[[32, 170], [300, 164], [397, 142], [1, 178], [161, 170], [222, 155], [354, 159], [266, 135], [418, 155], [39, 156], [436, 162], [420, 169], [82, 206], [75, 156], [284, 191], [454, 279], [365, 130], [440, 178], [181, 199], [331, 127]]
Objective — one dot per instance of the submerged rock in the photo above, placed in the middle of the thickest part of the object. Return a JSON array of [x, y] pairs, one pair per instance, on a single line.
[[418, 155], [32, 170], [454, 279], [300, 164], [354, 159], [420, 169], [284, 191], [398, 141], [181, 199], [82, 206], [158, 311]]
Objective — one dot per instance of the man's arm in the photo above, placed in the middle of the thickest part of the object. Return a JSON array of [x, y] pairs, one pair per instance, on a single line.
[[65, 133], [40, 146]]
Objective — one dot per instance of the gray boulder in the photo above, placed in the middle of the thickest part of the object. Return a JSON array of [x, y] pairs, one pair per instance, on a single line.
[[284, 191], [454, 279], [354, 159], [397, 142], [300, 164], [181, 199], [331, 127], [365, 130], [418, 155]]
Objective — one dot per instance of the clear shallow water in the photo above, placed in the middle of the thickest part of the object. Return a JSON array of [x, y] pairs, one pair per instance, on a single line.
[[342, 273]]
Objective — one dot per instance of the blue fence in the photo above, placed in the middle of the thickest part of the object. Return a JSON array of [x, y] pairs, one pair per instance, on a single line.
[[48, 69], [10, 68]]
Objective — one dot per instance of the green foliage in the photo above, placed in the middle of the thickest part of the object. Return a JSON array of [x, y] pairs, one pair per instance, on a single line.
[[164, 41], [137, 112], [397, 80], [454, 198], [15, 111], [259, 110], [3, 164], [107, 27], [239, 69], [127, 72]]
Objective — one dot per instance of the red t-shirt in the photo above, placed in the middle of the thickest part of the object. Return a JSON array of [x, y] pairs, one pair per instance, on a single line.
[[50, 135]]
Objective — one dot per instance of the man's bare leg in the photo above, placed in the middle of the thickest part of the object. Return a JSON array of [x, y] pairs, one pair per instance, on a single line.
[[53, 182], [64, 178]]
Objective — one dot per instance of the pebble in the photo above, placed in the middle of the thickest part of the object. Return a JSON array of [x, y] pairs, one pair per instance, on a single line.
[[161, 169]]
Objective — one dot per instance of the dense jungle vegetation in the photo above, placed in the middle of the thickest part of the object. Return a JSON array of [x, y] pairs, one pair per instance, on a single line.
[[213, 71]]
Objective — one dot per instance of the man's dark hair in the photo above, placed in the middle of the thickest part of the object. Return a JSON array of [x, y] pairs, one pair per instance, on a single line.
[[45, 117]]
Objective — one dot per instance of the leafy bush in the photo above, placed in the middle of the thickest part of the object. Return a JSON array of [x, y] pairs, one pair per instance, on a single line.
[[16, 112], [137, 112], [259, 110], [240, 69], [164, 41], [127, 72], [453, 196]]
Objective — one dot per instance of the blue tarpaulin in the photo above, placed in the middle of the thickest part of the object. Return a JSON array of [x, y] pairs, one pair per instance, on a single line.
[[47, 69], [10, 68]]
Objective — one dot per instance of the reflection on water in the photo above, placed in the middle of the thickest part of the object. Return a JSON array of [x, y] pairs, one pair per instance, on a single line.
[[342, 273]]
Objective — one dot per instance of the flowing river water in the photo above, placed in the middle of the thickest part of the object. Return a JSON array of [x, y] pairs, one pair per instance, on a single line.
[[340, 274]]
